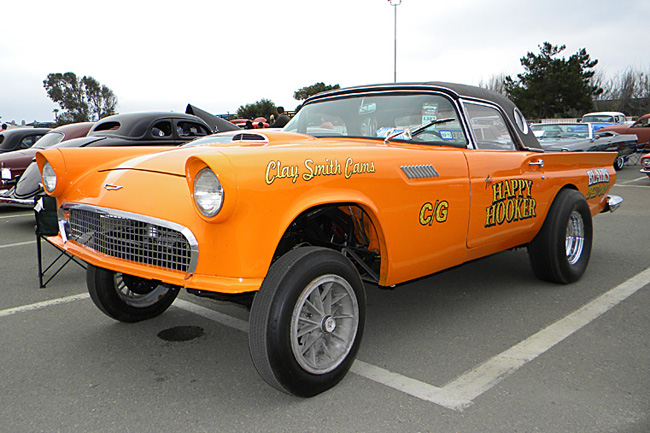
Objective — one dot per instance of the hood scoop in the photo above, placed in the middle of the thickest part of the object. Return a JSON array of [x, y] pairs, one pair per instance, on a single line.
[[250, 137]]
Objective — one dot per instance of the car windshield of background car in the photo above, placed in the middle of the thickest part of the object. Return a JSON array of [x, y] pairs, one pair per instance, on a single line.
[[600, 118], [49, 139], [380, 116], [561, 131]]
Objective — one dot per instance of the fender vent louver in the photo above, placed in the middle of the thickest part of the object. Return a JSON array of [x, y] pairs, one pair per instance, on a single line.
[[419, 171]]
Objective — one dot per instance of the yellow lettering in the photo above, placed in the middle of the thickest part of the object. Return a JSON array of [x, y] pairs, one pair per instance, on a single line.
[[426, 219]]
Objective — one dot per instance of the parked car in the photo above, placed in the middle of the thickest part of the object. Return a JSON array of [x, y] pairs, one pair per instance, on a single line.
[[581, 137], [20, 138], [645, 163], [604, 117], [131, 129], [383, 184], [640, 128], [13, 164], [217, 124]]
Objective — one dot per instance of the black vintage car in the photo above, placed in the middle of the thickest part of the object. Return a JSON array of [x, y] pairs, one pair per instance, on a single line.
[[584, 137], [20, 138], [132, 129]]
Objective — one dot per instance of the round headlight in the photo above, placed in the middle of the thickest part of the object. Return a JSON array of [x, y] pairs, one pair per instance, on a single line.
[[49, 177], [208, 192]]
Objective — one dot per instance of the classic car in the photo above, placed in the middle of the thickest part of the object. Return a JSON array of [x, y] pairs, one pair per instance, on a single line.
[[640, 128], [609, 117], [13, 164], [645, 163], [580, 137], [131, 129], [382, 184], [20, 138]]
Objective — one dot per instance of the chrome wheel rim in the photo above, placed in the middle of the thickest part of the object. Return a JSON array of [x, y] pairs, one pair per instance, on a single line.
[[575, 238], [324, 324], [137, 300]]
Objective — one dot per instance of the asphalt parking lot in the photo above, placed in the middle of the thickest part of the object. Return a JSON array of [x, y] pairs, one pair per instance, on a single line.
[[484, 347]]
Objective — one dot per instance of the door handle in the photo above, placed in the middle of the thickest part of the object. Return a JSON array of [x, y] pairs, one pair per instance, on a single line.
[[539, 162]]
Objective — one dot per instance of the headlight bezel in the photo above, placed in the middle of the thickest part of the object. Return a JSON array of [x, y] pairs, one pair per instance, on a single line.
[[49, 178], [208, 193]]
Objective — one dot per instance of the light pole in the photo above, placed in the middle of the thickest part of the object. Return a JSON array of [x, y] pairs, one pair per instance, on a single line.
[[394, 4]]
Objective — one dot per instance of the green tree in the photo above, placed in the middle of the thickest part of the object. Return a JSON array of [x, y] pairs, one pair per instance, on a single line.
[[81, 99], [307, 91], [261, 108], [552, 86]]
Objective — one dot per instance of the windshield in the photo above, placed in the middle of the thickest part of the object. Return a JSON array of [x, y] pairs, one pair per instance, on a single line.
[[381, 116], [599, 118], [561, 130], [49, 139]]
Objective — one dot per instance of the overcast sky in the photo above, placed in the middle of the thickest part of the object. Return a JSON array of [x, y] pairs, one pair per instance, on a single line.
[[218, 55]]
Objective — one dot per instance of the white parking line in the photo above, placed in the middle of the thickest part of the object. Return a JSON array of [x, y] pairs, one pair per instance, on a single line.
[[628, 182], [39, 305], [460, 392], [17, 244], [17, 215]]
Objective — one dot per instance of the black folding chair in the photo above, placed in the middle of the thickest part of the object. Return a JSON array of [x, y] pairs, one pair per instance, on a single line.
[[47, 225]]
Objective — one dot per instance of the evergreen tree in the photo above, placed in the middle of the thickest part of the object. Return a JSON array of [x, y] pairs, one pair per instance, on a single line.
[[307, 91], [552, 86]]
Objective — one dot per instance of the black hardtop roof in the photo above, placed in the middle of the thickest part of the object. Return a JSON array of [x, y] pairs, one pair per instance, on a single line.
[[454, 90], [137, 124]]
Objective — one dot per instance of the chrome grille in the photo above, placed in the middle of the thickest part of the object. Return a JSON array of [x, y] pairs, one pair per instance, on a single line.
[[131, 239]]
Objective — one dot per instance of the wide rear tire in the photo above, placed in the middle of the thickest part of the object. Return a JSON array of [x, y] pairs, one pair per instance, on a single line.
[[560, 252]]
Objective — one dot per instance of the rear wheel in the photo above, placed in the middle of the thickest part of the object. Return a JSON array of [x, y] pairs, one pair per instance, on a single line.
[[560, 252], [307, 320], [127, 298], [619, 163]]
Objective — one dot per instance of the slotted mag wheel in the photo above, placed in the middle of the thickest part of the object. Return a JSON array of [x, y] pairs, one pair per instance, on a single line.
[[324, 324]]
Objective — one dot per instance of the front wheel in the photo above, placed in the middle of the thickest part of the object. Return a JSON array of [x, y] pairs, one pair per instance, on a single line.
[[560, 251], [127, 298], [307, 321]]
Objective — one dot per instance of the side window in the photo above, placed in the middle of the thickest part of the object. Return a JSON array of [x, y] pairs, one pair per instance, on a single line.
[[162, 129], [29, 141], [489, 127], [191, 130]]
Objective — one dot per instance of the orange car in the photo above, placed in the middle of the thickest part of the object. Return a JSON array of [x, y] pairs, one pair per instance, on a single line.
[[382, 184]]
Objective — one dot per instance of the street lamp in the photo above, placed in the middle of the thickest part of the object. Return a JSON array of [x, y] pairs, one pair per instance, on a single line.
[[395, 3]]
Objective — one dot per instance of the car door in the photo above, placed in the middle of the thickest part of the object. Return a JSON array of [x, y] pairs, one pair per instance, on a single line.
[[642, 130], [505, 181]]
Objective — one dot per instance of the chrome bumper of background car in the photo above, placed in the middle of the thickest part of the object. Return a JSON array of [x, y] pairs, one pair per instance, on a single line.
[[613, 203], [645, 170], [18, 202]]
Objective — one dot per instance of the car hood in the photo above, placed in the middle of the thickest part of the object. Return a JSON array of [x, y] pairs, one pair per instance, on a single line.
[[553, 145], [233, 144], [18, 155]]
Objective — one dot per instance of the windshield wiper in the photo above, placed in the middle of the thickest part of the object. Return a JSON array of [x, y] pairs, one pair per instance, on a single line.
[[410, 133]]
